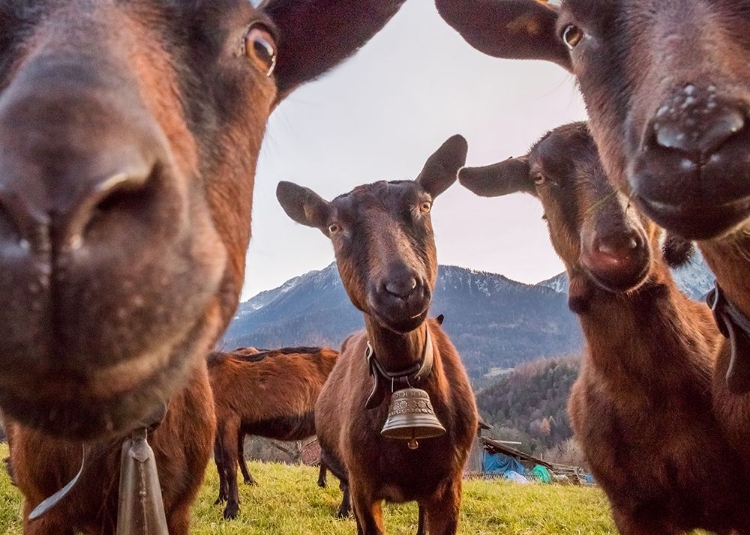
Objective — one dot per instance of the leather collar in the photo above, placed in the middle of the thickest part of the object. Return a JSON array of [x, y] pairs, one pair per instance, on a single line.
[[383, 378], [735, 326]]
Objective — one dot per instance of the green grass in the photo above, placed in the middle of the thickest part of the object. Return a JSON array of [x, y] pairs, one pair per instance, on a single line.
[[288, 501]]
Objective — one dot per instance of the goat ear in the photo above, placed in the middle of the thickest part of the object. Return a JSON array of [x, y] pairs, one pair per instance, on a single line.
[[303, 205], [316, 36], [510, 176], [441, 169], [510, 29]]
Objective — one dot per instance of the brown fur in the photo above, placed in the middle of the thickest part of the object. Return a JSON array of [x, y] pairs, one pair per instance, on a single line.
[[385, 253], [181, 445], [641, 407], [693, 181], [269, 394], [123, 236]]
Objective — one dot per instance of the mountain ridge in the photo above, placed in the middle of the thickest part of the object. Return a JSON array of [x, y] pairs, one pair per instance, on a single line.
[[494, 321]]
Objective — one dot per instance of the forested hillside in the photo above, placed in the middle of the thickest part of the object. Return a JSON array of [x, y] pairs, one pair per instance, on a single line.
[[529, 404]]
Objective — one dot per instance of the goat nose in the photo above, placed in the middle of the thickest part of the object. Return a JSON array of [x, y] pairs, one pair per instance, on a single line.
[[402, 286], [58, 218], [617, 245], [696, 122]]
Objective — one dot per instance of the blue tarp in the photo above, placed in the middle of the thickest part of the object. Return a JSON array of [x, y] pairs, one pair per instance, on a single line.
[[499, 463]]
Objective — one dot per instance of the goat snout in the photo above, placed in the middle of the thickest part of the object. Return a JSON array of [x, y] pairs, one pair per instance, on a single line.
[[59, 223], [105, 259], [400, 300], [692, 174], [617, 262], [696, 123], [401, 287]]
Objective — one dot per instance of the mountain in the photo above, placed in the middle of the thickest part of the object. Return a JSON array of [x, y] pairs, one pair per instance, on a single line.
[[558, 283], [493, 321], [695, 278]]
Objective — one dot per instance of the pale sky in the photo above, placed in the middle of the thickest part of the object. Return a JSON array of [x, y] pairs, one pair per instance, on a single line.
[[380, 115]]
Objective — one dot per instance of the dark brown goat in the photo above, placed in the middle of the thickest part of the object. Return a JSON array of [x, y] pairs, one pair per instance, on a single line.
[[270, 394], [667, 89], [130, 132], [641, 407], [385, 252]]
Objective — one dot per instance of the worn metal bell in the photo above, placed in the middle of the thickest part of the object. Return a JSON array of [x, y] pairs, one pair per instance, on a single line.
[[141, 509], [410, 417]]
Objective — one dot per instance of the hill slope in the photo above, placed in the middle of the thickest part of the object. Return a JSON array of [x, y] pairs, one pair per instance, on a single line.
[[530, 404], [495, 322]]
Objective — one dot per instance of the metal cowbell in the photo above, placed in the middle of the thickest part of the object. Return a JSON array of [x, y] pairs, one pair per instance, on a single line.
[[141, 508], [411, 417]]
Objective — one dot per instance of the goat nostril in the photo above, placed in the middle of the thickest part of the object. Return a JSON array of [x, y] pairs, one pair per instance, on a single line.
[[121, 190], [616, 246], [401, 288], [697, 127]]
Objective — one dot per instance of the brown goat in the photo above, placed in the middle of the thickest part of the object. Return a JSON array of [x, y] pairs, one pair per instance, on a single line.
[[182, 447], [385, 252], [641, 407], [270, 394], [130, 133], [667, 89]]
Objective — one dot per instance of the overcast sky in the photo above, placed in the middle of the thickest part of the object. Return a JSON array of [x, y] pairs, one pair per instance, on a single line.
[[380, 115]]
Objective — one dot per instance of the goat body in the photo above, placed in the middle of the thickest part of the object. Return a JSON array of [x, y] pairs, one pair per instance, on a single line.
[[270, 394]]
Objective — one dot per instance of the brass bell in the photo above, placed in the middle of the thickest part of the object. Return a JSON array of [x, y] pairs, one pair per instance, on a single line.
[[410, 417]]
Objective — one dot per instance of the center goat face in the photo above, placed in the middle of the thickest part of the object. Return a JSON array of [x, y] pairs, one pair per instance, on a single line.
[[667, 89], [129, 134], [382, 237]]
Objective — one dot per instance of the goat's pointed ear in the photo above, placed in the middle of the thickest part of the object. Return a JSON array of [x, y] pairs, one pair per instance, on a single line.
[[441, 169], [315, 36], [511, 29], [303, 205], [510, 176]]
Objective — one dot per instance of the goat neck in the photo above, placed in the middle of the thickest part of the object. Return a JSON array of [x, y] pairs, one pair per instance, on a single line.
[[396, 351], [665, 347]]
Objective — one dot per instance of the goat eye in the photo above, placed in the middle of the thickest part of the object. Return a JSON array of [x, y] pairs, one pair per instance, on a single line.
[[572, 35], [261, 48], [425, 207], [334, 228], [539, 179]]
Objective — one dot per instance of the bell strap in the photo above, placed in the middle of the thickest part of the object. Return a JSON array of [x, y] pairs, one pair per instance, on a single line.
[[52, 501], [381, 376], [148, 424], [735, 326]]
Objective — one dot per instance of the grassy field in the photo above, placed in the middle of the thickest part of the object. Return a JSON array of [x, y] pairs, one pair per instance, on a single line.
[[288, 501]]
